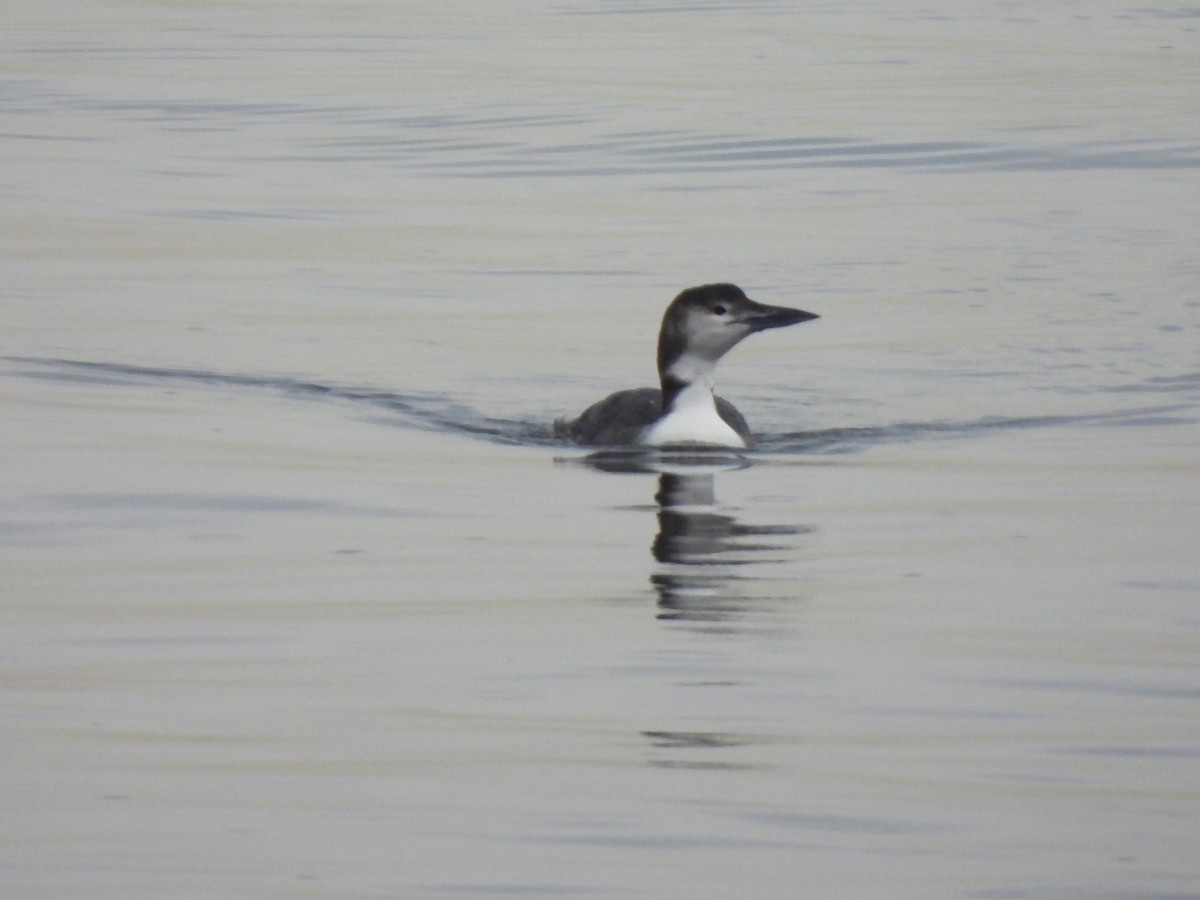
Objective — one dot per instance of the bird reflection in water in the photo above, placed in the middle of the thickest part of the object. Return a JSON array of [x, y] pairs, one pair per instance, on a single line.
[[709, 563], [712, 574]]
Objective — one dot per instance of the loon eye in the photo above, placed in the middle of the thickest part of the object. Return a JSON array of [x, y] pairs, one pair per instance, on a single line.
[[719, 310]]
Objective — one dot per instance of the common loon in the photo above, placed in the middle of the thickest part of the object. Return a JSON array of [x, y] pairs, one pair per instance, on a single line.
[[698, 328]]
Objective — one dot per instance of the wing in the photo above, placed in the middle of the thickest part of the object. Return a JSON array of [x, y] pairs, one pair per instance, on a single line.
[[617, 419]]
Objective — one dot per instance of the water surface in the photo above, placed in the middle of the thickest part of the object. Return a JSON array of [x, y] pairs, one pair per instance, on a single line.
[[301, 599]]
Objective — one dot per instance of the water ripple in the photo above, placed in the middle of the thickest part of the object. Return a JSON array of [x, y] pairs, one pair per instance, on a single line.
[[437, 412], [573, 142], [691, 153]]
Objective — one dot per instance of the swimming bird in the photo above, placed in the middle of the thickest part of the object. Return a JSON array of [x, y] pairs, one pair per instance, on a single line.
[[698, 328]]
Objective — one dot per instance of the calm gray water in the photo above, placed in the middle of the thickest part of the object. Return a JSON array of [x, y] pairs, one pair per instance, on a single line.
[[298, 598]]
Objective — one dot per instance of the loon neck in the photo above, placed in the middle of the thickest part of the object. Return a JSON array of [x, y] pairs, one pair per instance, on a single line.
[[687, 382], [689, 410], [681, 397]]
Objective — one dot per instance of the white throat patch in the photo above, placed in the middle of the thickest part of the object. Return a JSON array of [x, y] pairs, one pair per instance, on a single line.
[[693, 419]]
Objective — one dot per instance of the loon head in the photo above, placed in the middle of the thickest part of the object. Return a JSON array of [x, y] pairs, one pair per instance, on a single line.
[[703, 323]]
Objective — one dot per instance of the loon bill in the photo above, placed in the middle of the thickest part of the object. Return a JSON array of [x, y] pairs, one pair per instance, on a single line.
[[699, 327]]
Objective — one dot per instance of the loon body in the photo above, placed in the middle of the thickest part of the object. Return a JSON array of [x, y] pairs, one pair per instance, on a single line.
[[698, 328]]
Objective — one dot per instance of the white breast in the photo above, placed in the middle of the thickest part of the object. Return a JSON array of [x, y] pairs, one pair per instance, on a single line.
[[694, 424], [693, 418]]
